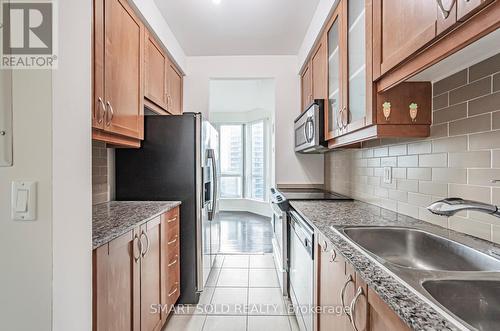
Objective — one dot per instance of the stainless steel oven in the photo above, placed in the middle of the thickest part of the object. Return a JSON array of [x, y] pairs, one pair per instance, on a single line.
[[309, 129]]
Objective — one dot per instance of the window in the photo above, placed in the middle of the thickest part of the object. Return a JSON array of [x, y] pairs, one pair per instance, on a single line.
[[257, 189], [231, 161], [243, 160]]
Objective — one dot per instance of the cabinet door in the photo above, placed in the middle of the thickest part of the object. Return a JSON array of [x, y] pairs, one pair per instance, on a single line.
[[306, 85], [447, 16], [401, 27], [382, 317], [331, 273], [334, 106], [155, 72], [98, 103], [116, 268], [465, 8], [356, 83], [319, 72], [151, 275], [123, 73], [174, 81]]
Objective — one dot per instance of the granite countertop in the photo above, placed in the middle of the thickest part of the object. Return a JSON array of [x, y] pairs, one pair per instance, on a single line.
[[412, 309], [112, 219]]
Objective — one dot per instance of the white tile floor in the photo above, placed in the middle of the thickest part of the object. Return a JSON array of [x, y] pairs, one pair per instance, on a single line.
[[242, 294]]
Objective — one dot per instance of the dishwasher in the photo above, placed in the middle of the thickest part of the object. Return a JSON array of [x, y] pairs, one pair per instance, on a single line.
[[301, 270]]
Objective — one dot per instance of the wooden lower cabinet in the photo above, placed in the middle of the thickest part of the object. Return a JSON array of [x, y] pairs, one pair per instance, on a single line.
[[151, 275], [134, 277], [345, 301]]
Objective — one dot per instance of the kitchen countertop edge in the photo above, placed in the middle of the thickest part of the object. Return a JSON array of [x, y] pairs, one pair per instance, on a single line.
[[108, 225], [413, 310]]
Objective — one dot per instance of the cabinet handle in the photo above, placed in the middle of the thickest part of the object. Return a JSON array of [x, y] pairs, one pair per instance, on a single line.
[[445, 12], [339, 119], [139, 245], [333, 257], [170, 220], [342, 294], [112, 112], [359, 293], [325, 246], [346, 118], [173, 262], [148, 243], [173, 292], [172, 241], [102, 110]]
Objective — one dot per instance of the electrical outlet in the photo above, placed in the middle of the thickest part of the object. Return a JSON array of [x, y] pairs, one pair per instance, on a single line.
[[387, 175]]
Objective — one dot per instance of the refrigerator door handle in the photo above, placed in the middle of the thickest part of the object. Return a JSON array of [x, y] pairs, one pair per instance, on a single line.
[[212, 212]]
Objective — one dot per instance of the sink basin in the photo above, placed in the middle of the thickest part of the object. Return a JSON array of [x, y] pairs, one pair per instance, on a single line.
[[476, 302], [417, 249]]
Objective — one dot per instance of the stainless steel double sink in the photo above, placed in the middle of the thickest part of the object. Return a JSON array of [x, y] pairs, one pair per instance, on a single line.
[[461, 280]]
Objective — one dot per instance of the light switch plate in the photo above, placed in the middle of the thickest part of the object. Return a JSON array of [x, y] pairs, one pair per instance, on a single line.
[[23, 201], [387, 175]]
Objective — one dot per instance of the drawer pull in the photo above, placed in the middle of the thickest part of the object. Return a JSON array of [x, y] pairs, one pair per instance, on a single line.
[[139, 246], [172, 241], [172, 263], [174, 291], [170, 220]]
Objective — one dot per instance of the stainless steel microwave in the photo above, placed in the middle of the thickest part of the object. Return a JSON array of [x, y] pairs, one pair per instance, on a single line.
[[310, 130]]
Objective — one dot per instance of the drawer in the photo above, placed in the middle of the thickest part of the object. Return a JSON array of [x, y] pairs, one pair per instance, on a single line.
[[172, 217], [173, 292], [173, 261], [172, 238]]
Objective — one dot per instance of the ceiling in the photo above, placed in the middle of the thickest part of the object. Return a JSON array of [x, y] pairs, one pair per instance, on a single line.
[[238, 27]]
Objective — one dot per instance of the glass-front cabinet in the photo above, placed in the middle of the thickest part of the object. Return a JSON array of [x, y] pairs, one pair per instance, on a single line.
[[333, 109], [356, 65], [347, 71]]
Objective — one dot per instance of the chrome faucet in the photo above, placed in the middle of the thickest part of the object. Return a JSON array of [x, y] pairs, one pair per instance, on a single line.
[[451, 206]]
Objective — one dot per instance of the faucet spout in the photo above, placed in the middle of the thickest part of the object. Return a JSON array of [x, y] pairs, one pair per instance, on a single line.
[[451, 206]]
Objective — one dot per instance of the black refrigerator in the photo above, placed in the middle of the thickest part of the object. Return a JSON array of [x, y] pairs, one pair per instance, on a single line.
[[178, 160]]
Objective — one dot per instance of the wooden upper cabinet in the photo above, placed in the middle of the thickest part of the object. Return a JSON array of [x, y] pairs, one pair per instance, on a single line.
[[174, 90], [357, 81], [306, 87], [98, 103], [447, 15], [465, 8], [155, 72], [400, 28], [116, 268], [320, 72], [335, 105], [123, 70]]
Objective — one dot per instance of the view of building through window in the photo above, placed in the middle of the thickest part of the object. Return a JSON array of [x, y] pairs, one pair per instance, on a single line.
[[243, 160]]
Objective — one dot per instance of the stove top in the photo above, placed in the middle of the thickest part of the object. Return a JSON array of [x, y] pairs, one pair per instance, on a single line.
[[305, 194]]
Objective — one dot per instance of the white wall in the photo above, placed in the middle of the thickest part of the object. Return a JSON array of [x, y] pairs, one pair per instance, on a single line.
[[290, 167], [71, 153], [152, 15], [321, 15], [26, 272]]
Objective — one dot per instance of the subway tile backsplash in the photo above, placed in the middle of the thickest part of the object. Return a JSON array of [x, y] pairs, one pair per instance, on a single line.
[[459, 159], [100, 180]]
